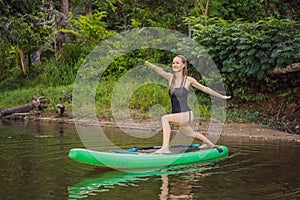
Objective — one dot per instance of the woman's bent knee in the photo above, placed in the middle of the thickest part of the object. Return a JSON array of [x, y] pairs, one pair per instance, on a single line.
[[164, 119]]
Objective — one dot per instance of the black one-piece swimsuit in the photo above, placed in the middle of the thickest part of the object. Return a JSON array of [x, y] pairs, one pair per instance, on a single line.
[[179, 99]]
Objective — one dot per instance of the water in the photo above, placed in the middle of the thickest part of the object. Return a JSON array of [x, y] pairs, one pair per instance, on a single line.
[[35, 165]]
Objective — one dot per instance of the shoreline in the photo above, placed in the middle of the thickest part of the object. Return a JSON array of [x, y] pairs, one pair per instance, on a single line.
[[230, 129]]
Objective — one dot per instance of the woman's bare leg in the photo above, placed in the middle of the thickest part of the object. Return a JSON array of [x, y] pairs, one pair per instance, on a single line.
[[166, 135], [167, 120], [182, 119], [189, 132]]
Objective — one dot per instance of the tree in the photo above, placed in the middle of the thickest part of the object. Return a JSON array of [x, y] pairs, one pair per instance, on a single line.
[[201, 5], [88, 7], [63, 22]]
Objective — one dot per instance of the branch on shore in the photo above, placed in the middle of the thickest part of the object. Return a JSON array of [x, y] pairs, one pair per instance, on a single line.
[[295, 67], [37, 102]]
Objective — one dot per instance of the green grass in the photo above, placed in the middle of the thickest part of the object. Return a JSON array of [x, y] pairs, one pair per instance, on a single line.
[[53, 96], [140, 102]]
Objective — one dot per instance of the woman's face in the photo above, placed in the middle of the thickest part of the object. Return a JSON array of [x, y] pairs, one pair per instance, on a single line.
[[177, 64]]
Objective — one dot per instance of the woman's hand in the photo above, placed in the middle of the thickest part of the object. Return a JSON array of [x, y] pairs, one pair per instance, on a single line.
[[226, 97], [148, 63]]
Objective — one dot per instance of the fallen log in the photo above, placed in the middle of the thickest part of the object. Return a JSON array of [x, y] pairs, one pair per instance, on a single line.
[[17, 116], [37, 102], [295, 67], [20, 109]]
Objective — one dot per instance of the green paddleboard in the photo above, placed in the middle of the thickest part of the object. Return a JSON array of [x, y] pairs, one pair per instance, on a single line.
[[145, 158]]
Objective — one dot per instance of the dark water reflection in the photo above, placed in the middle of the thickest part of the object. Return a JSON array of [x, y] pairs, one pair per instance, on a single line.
[[35, 165]]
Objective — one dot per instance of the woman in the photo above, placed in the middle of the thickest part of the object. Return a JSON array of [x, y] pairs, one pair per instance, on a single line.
[[181, 113]]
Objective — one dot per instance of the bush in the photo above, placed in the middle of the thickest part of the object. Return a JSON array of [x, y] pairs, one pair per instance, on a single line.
[[245, 52]]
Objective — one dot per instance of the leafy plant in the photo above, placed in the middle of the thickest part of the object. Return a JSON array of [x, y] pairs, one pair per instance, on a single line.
[[246, 52]]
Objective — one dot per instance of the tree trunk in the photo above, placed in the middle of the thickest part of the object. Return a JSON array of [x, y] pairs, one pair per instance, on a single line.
[[88, 7], [288, 69], [204, 10], [20, 109], [63, 22], [23, 61]]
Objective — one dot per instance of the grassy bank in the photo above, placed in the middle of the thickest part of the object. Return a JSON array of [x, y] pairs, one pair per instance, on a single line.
[[263, 111], [139, 102]]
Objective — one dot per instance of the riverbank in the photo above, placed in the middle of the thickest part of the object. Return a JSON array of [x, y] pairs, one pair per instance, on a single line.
[[230, 129]]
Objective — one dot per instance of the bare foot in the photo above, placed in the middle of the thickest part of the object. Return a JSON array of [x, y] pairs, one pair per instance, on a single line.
[[203, 146], [162, 150], [211, 146]]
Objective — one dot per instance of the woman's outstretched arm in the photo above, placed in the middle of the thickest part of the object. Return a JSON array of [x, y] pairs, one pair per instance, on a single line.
[[159, 70], [205, 89]]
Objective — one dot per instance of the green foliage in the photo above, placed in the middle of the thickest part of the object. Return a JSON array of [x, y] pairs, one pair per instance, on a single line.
[[55, 95], [146, 13], [249, 116], [204, 112], [240, 9], [58, 74], [135, 58], [246, 95], [103, 97], [27, 27], [245, 52], [14, 98], [148, 96], [245, 46], [142, 100], [92, 27]]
